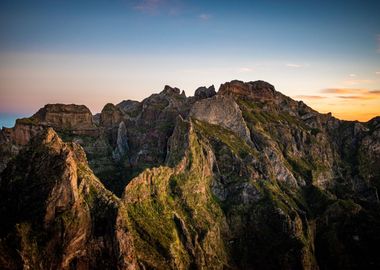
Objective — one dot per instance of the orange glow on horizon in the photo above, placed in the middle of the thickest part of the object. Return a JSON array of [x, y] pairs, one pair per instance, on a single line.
[[31, 80], [364, 117], [361, 110]]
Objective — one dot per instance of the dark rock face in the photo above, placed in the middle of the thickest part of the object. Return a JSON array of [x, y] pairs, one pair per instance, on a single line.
[[245, 178], [258, 90], [129, 106], [150, 125], [204, 92], [57, 214]]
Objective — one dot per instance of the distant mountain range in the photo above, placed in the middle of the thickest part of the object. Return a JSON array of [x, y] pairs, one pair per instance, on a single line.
[[242, 178]]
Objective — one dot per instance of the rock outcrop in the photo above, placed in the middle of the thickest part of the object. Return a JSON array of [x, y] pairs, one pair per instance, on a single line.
[[57, 214], [65, 116], [130, 108], [222, 111], [204, 92], [258, 90], [245, 178], [110, 116], [121, 142]]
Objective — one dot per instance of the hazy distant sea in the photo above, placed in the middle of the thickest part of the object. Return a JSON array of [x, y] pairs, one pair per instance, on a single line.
[[8, 119]]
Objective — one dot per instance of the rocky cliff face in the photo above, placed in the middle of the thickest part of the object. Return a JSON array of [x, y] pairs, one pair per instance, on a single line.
[[245, 178], [56, 213], [65, 116]]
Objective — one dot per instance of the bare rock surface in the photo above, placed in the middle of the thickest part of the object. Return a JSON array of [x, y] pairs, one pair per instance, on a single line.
[[223, 111], [65, 116]]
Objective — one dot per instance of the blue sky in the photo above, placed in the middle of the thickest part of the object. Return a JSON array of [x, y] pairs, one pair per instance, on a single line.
[[94, 52]]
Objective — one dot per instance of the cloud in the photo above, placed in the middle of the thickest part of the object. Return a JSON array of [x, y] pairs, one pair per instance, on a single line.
[[154, 7], [245, 69], [148, 6], [204, 17], [352, 75], [310, 97], [294, 65], [362, 97], [350, 93], [377, 72], [341, 91], [355, 97]]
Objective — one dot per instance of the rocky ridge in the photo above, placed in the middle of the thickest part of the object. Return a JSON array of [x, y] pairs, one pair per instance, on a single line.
[[215, 181], [57, 214]]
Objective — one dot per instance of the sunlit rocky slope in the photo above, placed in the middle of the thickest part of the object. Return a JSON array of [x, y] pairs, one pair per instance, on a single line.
[[245, 178]]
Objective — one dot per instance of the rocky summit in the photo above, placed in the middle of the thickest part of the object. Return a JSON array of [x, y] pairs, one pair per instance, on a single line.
[[242, 178]]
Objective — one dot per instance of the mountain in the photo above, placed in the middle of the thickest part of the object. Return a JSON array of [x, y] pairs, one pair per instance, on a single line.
[[242, 178]]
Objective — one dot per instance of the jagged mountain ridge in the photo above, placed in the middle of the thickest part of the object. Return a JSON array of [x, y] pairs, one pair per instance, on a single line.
[[214, 181]]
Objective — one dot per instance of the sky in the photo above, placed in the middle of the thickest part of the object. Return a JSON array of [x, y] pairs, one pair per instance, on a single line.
[[326, 53]]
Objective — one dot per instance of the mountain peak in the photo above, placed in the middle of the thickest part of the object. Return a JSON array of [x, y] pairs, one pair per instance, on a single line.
[[205, 92], [64, 116], [171, 90], [254, 89], [111, 115], [48, 136]]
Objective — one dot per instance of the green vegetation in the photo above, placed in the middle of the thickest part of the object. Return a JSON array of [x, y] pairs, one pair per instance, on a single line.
[[301, 167], [69, 136], [165, 197], [28, 121], [90, 197], [215, 132], [254, 113]]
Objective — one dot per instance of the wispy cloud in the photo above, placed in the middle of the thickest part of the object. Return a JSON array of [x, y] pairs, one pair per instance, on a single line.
[[377, 72], [341, 91], [204, 17], [352, 75], [357, 97], [148, 6], [153, 7], [309, 97], [350, 93], [245, 69], [294, 65]]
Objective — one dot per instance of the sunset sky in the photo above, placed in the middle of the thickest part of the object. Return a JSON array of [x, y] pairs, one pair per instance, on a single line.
[[326, 53]]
